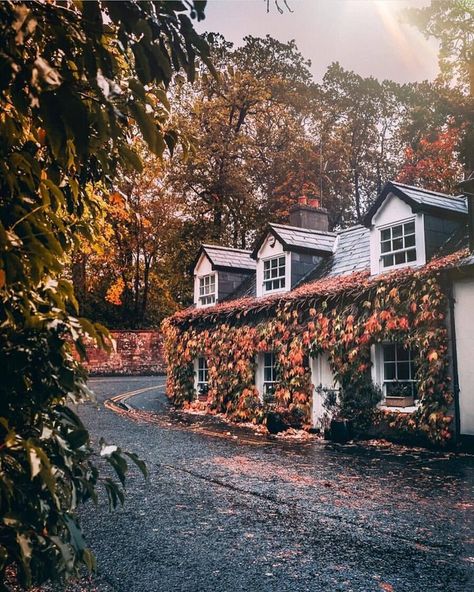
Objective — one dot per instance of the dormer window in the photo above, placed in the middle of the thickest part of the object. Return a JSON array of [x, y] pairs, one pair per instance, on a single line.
[[207, 289], [397, 244], [274, 273]]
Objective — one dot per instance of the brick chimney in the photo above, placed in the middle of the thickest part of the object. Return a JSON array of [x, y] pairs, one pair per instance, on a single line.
[[308, 213]]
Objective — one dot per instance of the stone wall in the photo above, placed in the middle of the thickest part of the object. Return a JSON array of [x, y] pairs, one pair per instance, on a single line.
[[135, 353]]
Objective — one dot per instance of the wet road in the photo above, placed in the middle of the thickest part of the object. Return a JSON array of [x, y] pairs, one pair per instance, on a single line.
[[220, 515]]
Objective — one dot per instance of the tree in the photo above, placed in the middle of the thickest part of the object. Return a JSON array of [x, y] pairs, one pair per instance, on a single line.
[[451, 22], [357, 121], [75, 79], [244, 122], [127, 276], [434, 162]]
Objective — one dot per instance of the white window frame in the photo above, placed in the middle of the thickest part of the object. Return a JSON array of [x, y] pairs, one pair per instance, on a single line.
[[201, 371], [207, 296], [404, 250], [280, 278], [378, 377], [263, 382], [411, 381]]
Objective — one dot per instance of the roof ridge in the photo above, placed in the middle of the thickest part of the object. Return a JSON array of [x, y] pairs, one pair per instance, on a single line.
[[351, 228], [207, 245], [422, 189], [323, 232]]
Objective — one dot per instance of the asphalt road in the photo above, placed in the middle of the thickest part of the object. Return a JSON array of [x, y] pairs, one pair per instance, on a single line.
[[218, 514]]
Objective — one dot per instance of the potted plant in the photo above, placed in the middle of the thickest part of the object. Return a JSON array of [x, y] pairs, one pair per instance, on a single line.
[[354, 411], [399, 395]]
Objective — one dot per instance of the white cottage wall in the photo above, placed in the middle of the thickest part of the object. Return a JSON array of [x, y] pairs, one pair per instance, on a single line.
[[464, 324]]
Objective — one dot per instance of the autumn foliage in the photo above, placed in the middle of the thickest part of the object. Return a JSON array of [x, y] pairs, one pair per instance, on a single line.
[[433, 162], [343, 317]]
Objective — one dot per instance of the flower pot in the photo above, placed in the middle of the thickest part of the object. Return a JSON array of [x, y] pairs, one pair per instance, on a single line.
[[399, 401], [340, 430], [276, 423]]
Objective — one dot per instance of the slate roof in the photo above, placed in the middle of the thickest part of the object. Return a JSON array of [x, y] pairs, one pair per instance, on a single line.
[[351, 254], [420, 200], [247, 288], [226, 258], [298, 239], [343, 253]]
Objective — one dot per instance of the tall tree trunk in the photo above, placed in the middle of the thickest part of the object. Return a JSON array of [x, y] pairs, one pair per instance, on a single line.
[[79, 277]]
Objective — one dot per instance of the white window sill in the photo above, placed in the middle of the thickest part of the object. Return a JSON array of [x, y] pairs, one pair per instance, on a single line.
[[206, 305], [410, 409], [270, 292]]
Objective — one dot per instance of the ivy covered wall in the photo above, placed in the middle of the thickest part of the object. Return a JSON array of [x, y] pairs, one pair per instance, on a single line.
[[343, 317]]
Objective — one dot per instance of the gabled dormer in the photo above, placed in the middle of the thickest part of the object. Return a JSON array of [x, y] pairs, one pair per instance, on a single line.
[[286, 253], [218, 272], [408, 225]]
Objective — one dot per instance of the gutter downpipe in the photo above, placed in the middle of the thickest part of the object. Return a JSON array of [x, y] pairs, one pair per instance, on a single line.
[[457, 416]]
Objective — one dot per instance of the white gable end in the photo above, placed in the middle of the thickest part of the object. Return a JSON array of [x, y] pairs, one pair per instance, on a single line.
[[272, 247], [393, 212], [203, 267]]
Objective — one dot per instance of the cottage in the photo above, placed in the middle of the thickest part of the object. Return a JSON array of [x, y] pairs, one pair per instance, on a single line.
[[374, 322]]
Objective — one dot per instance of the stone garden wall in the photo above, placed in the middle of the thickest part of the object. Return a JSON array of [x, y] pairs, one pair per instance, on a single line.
[[135, 353]]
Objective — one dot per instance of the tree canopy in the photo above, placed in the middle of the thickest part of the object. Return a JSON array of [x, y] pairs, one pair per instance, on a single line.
[[77, 80]]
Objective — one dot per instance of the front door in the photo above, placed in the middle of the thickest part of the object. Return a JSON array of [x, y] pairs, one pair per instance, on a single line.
[[322, 377]]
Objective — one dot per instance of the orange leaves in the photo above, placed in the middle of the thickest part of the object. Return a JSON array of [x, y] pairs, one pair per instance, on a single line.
[[372, 324], [115, 291], [405, 306]]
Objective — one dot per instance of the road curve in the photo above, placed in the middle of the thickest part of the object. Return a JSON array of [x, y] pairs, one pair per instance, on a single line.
[[224, 515]]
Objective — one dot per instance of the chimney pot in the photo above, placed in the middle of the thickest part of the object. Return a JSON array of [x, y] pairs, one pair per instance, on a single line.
[[302, 200], [314, 202]]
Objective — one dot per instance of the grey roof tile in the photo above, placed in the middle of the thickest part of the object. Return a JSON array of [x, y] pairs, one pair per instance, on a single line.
[[228, 257], [247, 288], [456, 203], [315, 240], [351, 253]]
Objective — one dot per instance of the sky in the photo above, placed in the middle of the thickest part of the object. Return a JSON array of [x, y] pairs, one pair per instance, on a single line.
[[366, 36]]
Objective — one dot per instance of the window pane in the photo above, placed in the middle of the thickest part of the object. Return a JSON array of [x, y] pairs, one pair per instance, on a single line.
[[410, 240], [281, 262], [397, 244], [387, 260], [403, 354], [409, 228], [400, 258], [273, 263], [389, 352], [385, 234], [403, 370], [411, 255], [389, 371], [397, 231], [386, 246]]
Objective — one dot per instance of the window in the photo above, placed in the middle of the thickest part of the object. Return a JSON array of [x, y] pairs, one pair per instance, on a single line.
[[269, 375], [398, 371], [202, 384], [274, 274], [207, 289], [397, 244]]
